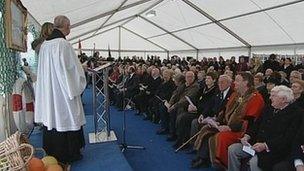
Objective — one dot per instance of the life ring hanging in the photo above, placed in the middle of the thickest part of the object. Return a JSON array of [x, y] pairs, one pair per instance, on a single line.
[[23, 106]]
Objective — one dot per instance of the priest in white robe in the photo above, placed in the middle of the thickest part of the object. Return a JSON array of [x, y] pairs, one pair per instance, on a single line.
[[58, 106]]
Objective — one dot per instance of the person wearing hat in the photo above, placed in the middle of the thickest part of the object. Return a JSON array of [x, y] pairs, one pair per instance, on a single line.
[[272, 81]]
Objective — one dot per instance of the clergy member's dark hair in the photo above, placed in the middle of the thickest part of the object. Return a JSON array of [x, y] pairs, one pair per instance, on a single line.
[[247, 76]]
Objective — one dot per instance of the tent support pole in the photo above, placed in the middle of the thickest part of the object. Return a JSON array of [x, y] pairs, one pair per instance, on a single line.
[[119, 41], [168, 55], [249, 52], [197, 54]]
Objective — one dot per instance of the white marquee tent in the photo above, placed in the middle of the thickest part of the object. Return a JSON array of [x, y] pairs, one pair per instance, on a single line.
[[186, 27]]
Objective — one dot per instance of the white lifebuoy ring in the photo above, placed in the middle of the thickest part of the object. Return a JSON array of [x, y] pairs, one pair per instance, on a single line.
[[23, 106]]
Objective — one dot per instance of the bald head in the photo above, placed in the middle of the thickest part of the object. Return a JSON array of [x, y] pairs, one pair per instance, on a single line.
[[62, 23]]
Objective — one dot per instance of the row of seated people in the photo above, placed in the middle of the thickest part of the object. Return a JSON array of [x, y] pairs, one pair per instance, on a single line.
[[220, 113]]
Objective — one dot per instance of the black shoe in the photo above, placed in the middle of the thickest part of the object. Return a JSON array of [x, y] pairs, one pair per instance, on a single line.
[[161, 131], [175, 146], [171, 138], [195, 160], [146, 118], [156, 120], [201, 163], [75, 158]]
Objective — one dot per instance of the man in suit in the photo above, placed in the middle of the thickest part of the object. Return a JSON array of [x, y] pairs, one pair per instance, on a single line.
[[215, 104], [178, 104], [218, 133], [271, 63], [153, 84], [130, 89], [179, 81], [271, 135]]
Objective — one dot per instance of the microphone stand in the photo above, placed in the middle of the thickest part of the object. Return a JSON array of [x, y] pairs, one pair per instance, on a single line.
[[124, 146]]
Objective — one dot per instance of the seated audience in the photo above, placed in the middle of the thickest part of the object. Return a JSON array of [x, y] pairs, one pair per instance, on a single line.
[[178, 104], [270, 135], [179, 81], [267, 74], [228, 126], [298, 89], [154, 84], [183, 121], [260, 85], [218, 114], [201, 75], [164, 93], [297, 157], [294, 75], [147, 91], [215, 104], [130, 88]]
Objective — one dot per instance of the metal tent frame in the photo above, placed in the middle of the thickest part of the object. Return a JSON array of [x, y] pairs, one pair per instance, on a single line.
[[248, 46]]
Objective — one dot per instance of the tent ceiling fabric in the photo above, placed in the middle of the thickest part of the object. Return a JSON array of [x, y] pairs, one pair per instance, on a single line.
[[291, 19], [147, 31], [184, 28], [209, 36], [86, 27], [173, 15], [261, 30], [76, 10], [101, 31], [131, 11], [111, 38], [170, 43], [131, 41]]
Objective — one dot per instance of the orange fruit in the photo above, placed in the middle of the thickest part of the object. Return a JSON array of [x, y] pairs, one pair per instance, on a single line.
[[35, 164]]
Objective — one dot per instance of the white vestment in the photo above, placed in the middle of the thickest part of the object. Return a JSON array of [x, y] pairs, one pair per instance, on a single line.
[[60, 82]]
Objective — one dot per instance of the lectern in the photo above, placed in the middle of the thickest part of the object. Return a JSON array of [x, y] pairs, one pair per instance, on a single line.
[[100, 106]]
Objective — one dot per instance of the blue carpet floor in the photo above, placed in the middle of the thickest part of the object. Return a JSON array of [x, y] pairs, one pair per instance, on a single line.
[[158, 155], [102, 156]]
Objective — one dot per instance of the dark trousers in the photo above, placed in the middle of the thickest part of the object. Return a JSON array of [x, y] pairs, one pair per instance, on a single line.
[[172, 122], [183, 126], [111, 95], [164, 116], [203, 152], [152, 109], [284, 166], [140, 101], [119, 100]]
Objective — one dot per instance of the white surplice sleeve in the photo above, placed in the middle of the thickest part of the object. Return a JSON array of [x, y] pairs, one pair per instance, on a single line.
[[69, 70]]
